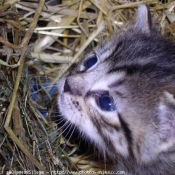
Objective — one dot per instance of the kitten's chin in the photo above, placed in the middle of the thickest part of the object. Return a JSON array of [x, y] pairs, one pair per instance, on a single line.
[[71, 110]]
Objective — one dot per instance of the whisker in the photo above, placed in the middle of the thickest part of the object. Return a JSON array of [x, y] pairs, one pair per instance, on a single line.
[[62, 131], [69, 137]]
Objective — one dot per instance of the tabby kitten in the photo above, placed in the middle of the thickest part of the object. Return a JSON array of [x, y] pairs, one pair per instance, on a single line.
[[121, 97]]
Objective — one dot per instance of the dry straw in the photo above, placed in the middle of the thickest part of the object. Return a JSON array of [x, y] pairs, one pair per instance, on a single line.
[[39, 41]]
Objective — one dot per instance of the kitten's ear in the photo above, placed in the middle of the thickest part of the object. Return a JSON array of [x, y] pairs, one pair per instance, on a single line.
[[166, 121], [143, 19]]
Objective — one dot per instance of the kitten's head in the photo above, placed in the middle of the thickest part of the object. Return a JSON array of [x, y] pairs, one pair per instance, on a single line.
[[120, 96]]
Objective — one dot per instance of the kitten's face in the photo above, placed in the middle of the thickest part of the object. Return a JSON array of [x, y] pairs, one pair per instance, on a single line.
[[116, 96]]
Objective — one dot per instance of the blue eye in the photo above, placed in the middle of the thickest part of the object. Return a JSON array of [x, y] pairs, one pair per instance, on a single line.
[[90, 62], [106, 103]]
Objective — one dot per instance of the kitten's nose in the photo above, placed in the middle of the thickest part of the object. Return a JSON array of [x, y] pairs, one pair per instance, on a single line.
[[74, 90], [66, 86]]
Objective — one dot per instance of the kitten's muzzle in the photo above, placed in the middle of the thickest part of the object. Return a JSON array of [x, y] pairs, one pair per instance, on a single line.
[[71, 89]]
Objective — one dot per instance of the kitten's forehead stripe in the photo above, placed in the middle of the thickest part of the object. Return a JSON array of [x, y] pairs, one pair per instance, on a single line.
[[111, 50], [107, 80], [159, 70], [116, 84]]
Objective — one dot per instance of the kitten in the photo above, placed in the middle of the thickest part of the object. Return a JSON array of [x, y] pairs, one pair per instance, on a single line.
[[121, 97]]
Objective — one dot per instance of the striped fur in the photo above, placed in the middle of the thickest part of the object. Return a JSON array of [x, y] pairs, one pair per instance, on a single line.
[[136, 67]]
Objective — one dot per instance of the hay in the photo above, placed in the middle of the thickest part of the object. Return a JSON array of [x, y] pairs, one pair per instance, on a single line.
[[39, 42]]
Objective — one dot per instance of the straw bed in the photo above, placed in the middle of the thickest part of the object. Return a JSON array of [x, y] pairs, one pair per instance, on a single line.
[[39, 41]]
